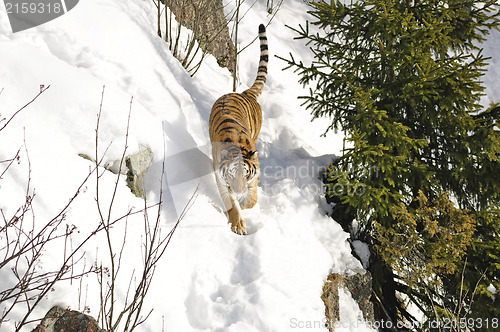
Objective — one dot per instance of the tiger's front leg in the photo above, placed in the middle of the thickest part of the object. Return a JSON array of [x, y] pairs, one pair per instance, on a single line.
[[251, 198], [233, 209], [237, 222]]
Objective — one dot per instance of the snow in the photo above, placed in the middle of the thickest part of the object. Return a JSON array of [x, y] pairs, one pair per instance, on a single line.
[[363, 252], [492, 290], [209, 279]]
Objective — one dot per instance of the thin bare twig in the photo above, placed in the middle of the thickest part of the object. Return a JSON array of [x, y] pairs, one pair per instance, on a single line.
[[42, 90]]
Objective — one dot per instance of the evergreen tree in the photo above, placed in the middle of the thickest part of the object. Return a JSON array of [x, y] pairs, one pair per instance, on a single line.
[[402, 79]]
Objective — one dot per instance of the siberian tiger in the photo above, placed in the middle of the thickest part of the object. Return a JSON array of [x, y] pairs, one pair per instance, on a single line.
[[234, 126]]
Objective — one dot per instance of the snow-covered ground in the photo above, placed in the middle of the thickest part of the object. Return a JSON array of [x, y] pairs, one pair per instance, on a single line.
[[209, 278]]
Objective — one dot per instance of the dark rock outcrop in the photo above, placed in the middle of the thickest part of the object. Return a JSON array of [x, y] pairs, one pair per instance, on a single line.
[[58, 319], [360, 287], [207, 20]]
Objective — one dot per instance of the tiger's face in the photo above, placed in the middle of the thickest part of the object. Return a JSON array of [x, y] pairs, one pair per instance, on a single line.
[[237, 168]]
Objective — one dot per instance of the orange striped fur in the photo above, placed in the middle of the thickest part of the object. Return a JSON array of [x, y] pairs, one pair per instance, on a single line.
[[234, 127]]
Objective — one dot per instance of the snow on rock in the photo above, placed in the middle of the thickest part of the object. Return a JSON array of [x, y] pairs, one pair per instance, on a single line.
[[363, 252], [351, 318], [209, 279]]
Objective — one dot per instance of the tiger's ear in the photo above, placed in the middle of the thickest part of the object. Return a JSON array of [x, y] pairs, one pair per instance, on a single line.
[[252, 154]]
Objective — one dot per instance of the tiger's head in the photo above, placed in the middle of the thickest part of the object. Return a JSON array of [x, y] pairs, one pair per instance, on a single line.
[[237, 167]]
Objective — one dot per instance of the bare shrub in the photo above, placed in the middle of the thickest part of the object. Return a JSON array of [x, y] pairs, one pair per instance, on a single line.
[[25, 282], [126, 314]]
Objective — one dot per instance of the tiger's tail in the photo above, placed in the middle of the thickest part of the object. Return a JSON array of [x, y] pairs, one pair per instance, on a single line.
[[258, 85]]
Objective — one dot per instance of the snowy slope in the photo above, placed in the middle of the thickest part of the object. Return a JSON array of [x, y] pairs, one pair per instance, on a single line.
[[209, 279]]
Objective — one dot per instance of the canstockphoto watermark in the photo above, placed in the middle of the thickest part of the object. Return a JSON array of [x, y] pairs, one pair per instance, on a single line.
[[26, 14], [191, 168], [302, 173], [350, 187], [307, 169]]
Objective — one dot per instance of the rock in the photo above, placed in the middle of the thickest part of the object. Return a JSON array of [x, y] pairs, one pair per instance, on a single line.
[[360, 287], [206, 18], [136, 166], [60, 320], [47, 323], [331, 298]]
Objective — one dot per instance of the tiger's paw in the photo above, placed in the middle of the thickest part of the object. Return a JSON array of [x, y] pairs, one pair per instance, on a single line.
[[239, 227]]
